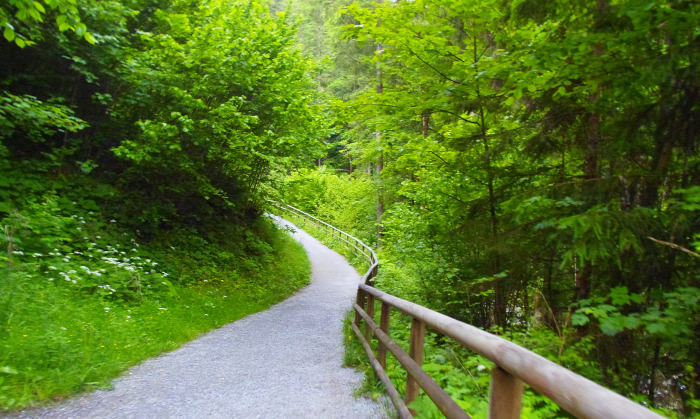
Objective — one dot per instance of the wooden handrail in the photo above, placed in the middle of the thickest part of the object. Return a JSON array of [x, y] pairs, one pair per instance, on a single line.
[[515, 365], [574, 393]]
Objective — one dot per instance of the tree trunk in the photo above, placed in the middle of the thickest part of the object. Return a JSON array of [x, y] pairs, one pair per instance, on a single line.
[[380, 160], [499, 296], [425, 117], [590, 170]]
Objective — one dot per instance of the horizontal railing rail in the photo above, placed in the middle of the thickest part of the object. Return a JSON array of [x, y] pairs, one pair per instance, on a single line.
[[515, 365]]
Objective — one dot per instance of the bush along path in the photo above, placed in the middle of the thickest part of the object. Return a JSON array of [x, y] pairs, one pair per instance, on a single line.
[[283, 362]]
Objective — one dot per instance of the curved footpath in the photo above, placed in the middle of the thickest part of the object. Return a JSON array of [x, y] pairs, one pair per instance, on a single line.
[[284, 362]]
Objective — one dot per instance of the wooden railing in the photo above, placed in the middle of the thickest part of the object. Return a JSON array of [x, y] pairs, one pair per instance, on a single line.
[[515, 366]]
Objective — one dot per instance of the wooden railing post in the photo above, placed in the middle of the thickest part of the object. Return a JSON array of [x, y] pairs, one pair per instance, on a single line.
[[384, 325], [506, 395], [370, 311], [360, 302], [416, 353]]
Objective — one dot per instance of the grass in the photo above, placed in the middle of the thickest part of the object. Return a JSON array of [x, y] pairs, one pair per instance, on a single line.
[[59, 337]]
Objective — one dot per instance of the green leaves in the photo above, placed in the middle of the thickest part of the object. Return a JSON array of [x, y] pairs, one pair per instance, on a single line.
[[35, 118], [9, 34], [228, 100], [671, 317], [28, 16], [691, 198]]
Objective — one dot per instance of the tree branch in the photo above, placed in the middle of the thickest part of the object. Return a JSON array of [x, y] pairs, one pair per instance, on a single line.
[[455, 115], [675, 246], [430, 66]]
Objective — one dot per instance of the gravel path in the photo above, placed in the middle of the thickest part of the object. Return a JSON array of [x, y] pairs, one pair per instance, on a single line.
[[281, 363]]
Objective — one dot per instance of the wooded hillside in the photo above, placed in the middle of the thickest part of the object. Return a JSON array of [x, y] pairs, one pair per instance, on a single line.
[[136, 138], [536, 168]]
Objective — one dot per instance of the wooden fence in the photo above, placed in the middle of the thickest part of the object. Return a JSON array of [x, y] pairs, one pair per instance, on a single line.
[[515, 366]]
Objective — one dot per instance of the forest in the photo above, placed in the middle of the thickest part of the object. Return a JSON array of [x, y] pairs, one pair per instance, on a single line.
[[529, 167]]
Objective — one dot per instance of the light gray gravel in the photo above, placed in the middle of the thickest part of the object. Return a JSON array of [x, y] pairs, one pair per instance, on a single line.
[[281, 363]]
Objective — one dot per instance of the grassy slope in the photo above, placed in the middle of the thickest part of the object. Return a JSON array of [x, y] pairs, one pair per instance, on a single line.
[[57, 340]]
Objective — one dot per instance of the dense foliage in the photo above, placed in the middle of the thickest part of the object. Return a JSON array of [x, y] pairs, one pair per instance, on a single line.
[[135, 136], [537, 163], [184, 107]]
